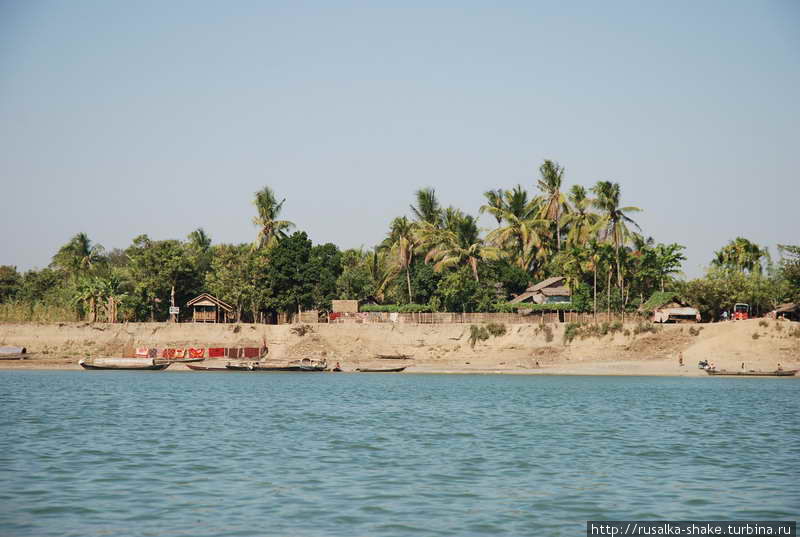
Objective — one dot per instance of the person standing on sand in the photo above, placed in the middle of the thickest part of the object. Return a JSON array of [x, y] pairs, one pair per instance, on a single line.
[[680, 359]]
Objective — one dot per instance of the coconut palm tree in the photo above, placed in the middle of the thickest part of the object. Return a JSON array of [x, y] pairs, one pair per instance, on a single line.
[[79, 256], [270, 229], [613, 221], [459, 243], [520, 234], [552, 203], [200, 240], [427, 208], [401, 242], [495, 204], [580, 222]]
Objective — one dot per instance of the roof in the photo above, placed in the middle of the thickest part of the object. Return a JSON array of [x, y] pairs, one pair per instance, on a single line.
[[544, 283], [524, 296], [205, 299], [787, 308], [659, 299], [556, 291]]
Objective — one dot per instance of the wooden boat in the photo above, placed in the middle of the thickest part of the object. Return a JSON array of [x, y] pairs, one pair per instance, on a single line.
[[116, 363], [382, 370], [395, 356], [13, 353], [206, 368], [753, 373], [305, 364]]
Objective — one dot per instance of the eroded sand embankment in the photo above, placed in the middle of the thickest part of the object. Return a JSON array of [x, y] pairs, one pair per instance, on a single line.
[[435, 348]]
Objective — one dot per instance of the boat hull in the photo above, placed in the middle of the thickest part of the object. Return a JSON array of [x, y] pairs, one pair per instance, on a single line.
[[777, 373], [123, 364], [382, 370]]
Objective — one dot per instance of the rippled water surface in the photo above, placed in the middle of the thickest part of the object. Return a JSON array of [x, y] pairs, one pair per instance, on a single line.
[[208, 454]]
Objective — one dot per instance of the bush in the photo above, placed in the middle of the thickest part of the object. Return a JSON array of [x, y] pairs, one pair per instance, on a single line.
[[695, 331], [763, 323], [755, 335], [778, 326], [644, 327], [795, 332], [477, 333], [496, 329], [571, 331]]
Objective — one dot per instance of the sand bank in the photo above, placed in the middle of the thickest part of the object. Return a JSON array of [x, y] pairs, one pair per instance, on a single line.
[[524, 349]]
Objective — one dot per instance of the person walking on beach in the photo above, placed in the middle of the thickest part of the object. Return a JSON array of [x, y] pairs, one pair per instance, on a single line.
[[680, 359]]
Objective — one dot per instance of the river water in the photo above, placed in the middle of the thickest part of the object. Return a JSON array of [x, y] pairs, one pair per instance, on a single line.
[[316, 454]]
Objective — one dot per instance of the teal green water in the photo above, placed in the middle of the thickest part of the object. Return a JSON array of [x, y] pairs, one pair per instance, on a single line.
[[240, 454]]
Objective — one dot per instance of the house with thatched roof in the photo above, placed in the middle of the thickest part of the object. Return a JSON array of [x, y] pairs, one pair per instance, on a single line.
[[667, 307], [550, 291], [207, 308]]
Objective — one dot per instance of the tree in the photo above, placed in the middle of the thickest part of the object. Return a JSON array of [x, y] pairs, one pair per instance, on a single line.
[[581, 223], [401, 242], [427, 209], [326, 263], [518, 236], [741, 254], [289, 275], [552, 202], [458, 244], [10, 283], [669, 260], [613, 219], [270, 229], [236, 276], [78, 257]]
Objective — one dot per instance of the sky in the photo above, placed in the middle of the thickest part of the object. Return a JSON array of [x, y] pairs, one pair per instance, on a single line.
[[122, 118]]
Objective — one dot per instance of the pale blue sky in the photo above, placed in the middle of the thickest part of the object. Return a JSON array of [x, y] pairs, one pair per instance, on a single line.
[[120, 118]]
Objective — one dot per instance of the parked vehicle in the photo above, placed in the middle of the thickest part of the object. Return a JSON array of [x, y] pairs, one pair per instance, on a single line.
[[741, 312]]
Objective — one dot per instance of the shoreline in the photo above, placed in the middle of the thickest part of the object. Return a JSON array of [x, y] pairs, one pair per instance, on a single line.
[[524, 349]]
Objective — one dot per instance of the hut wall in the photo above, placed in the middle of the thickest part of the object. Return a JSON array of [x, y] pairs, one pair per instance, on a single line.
[[344, 306]]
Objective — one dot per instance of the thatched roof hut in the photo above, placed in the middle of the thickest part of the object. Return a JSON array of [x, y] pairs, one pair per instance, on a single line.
[[667, 307]]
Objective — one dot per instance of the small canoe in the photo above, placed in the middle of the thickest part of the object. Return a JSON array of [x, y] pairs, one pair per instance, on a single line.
[[126, 364], [298, 365], [753, 373], [381, 370], [395, 356]]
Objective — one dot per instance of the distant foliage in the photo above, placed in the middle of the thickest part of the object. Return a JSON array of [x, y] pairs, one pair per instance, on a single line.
[[396, 308]]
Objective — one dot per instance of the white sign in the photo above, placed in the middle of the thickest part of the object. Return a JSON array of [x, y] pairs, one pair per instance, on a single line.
[[174, 310]]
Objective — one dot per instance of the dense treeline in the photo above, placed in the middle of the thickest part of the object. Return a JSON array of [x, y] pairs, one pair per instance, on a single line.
[[434, 259]]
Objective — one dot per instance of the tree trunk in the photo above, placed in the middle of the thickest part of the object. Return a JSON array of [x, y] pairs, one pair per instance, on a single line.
[[608, 290], [595, 293], [408, 281]]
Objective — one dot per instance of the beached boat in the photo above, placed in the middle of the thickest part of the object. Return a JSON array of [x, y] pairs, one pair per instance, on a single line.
[[206, 368], [118, 363], [13, 353], [305, 364], [753, 373], [381, 369], [395, 356]]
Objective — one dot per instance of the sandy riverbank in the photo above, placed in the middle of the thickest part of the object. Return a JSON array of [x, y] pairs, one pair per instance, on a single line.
[[435, 348]]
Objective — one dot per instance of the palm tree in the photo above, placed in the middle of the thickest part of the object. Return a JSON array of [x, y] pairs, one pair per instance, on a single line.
[[79, 256], [741, 254], [552, 202], [520, 237], [459, 243], [401, 241], [495, 204], [270, 229], [613, 219], [381, 272], [669, 260], [427, 208], [580, 221], [200, 240]]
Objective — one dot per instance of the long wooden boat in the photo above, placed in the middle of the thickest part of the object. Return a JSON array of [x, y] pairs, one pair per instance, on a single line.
[[753, 373], [382, 370], [124, 364], [298, 365], [395, 356], [206, 368]]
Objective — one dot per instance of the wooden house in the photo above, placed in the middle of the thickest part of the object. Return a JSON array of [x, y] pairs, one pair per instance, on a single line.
[[549, 291], [666, 307], [209, 309]]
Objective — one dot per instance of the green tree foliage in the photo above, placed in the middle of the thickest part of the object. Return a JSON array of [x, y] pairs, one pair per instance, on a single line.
[[326, 264], [270, 229], [289, 276], [790, 270], [741, 254], [10, 283], [79, 257], [237, 276]]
